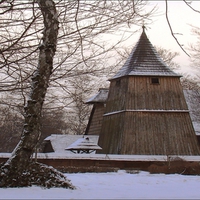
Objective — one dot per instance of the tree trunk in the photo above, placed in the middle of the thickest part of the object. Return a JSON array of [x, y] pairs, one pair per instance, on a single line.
[[20, 160], [40, 80]]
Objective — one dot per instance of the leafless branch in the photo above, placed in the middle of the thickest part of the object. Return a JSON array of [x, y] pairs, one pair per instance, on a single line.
[[168, 22], [189, 5]]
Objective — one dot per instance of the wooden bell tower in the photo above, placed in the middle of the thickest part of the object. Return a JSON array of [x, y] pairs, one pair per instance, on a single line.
[[146, 112]]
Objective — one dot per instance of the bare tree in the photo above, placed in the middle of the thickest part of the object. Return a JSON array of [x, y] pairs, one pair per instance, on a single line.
[[53, 121], [82, 46], [168, 57], [84, 27], [195, 48], [80, 42], [84, 86], [12, 172], [10, 128], [22, 25]]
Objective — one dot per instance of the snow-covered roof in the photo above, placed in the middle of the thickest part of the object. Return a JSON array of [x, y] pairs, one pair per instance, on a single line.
[[61, 142], [109, 157], [144, 61], [84, 144], [100, 97], [192, 99], [196, 128]]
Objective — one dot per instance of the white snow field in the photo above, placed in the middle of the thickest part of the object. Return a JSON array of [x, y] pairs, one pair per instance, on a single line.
[[115, 185]]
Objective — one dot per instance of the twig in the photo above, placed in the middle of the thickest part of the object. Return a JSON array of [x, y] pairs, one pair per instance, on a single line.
[[167, 18], [191, 6]]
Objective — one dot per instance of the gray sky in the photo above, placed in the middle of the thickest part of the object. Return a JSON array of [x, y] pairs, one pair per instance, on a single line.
[[181, 17]]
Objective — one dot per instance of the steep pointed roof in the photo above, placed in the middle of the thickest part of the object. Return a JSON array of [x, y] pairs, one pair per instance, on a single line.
[[144, 61]]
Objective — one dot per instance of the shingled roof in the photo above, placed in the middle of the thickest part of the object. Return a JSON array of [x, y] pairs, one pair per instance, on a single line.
[[100, 97], [144, 61]]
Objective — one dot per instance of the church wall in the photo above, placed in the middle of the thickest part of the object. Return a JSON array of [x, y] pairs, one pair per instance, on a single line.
[[145, 118], [94, 125], [159, 133], [138, 93], [144, 133], [165, 95]]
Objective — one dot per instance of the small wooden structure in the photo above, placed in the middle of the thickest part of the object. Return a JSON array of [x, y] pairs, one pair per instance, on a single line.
[[58, 143], [146, 112], [83, 145], [96, 116]]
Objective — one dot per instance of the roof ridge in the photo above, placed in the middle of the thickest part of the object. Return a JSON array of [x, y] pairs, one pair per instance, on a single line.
[[144, 60]]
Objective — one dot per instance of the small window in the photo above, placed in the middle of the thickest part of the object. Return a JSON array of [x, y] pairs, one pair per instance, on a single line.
[[155, 80]]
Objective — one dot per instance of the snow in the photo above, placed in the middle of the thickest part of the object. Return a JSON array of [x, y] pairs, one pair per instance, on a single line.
[[61, 142], [83, 143], [145, 110], [100, 97], [115, 185], [109, 157]]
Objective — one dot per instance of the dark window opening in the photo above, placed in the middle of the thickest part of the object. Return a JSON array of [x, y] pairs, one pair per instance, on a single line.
[[155, 80]]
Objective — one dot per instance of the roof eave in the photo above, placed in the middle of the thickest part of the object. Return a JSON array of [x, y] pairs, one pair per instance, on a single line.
[[146, 75]]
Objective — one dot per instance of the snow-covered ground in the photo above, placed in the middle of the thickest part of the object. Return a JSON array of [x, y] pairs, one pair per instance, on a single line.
[[115, 185]]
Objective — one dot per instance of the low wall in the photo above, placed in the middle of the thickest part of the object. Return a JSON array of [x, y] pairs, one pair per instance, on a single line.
[[102, 163], [81, 165]]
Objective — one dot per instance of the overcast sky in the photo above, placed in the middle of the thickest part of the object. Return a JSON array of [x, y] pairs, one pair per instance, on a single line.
[[181, 18]]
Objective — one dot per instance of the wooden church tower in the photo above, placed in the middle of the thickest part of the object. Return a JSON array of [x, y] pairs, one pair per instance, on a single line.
[[146, 112]]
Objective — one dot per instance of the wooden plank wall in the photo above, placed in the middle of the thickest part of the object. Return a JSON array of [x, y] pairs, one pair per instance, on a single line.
[[138, 93], [166, 95], [159, 134], [111, 133], [96, 120], [117, 95], [141, 132]]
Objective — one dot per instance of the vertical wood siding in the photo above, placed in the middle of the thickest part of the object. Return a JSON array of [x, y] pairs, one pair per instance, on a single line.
[[144, 133], [94, 125], [138, 93], [150, 133]]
